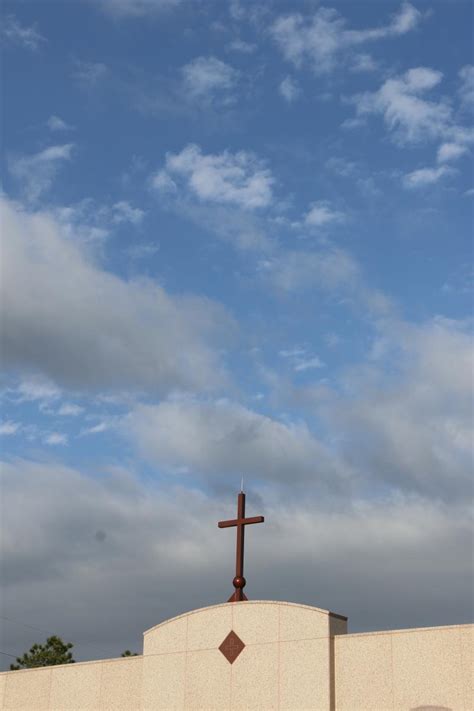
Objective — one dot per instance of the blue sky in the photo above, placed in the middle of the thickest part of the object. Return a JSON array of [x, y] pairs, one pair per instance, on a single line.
[[236, 241]]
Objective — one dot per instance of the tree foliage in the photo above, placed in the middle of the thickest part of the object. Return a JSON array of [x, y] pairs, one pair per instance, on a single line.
[[128, 653], [54, 651]]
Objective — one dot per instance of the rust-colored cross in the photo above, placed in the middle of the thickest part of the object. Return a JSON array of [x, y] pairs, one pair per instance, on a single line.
[[240, 522]]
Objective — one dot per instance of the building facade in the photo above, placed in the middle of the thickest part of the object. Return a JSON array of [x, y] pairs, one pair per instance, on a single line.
[[262, 655]]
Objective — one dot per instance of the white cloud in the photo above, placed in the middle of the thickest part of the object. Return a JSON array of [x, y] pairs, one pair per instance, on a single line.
[[289, 89], [163, 182], [409, 426], [461, 279], [137, 8], [93, 221], [406, 19], [239, 45], [213, 439], [225, 178], [89, 74], [316, 39], [309, 364], [221, 193], [135, 168], [296, 270], [407, 113], [36, 387], [450, 151], [342, 166], [353, 123], [70, 409], [407, 418], [9, 428], [82, 326], [422, 79], [55, 438], [412, 118], [323, 39], [123, 212], [256, 14], [292, 352], [426, 176], [142, 250], [100, 427], [37, 172], [332, 340], [300, 359], [236, 10], [321, 214], [206, 78], [332, 271], [243, 229], [365, 181], [15, 33], [363, 63], [56, 123], [466, 89]]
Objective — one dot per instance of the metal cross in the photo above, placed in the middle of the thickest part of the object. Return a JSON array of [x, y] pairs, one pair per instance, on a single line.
[[239, 580]]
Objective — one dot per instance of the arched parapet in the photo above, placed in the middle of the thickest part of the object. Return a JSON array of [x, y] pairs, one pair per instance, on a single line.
[[259, 621], [260, 654]]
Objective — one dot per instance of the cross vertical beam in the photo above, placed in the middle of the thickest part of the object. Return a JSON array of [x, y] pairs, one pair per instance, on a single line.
[[239, 553], [240, 522]]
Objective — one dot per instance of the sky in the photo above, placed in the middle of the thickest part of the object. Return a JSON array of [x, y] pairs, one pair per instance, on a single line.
[[236, 242]]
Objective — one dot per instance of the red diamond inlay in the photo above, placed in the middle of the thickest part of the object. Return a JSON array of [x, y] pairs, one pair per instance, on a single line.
[[231, 647]]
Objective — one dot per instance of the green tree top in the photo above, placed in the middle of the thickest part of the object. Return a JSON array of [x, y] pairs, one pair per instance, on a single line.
[[54, 651], [128, 653]]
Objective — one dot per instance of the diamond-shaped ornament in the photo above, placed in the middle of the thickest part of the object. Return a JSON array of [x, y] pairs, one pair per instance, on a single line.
[[231, 647]]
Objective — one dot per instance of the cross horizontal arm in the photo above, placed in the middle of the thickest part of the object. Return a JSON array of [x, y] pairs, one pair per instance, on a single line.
[[226, 524], [241, 521]]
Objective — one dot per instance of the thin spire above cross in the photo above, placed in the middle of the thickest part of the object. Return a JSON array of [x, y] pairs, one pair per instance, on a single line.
[[240, 522]]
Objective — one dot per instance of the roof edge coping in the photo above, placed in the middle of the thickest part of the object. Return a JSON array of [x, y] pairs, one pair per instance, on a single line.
[[247, 602]]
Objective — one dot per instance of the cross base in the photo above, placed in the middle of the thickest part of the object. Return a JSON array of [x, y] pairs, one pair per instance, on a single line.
[[238, 596]]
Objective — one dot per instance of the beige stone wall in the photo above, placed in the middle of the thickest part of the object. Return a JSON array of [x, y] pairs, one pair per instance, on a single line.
[[106, 685], [411, 670], [286, 664], [295, 657]]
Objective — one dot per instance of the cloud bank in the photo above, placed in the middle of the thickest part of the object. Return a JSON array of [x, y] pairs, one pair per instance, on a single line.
[[67, 317]]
